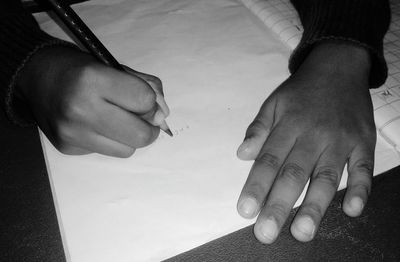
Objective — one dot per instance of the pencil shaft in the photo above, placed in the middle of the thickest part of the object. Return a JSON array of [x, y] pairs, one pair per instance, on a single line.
[[83, 33]]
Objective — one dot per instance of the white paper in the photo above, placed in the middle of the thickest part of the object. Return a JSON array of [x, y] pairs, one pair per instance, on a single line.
[[217, 65]]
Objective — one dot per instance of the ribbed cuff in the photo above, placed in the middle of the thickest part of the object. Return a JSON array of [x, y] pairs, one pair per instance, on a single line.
[[20, 39], [358, 22]]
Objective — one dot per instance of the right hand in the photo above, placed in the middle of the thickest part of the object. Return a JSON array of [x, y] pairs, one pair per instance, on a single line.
[[83, 106]]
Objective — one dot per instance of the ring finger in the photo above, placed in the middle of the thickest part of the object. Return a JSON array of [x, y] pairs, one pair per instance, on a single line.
[[323, 185]]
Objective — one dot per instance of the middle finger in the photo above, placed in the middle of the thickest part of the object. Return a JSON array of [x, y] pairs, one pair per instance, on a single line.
[[286, 189]]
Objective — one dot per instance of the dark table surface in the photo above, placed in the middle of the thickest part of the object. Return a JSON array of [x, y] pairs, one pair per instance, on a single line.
[[29, 229]]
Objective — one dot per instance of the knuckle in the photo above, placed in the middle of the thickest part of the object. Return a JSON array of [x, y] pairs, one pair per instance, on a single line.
[[87, 70], [327, 175], [64, 134], [335, 133], [256, 190], [71, 111], [73, 108], [293, 173], [87, 73], [312, 209], [364, 166], [256, 126], [269, 160], [279, 210]]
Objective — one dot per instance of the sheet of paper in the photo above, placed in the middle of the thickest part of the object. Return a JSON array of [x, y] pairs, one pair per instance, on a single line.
[[218, 64], [280, 16]]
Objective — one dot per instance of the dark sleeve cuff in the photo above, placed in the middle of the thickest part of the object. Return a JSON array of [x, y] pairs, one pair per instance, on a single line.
[[357, 22], [21, 38]]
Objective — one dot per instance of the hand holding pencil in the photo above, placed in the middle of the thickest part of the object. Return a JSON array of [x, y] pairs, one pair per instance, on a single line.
[[87, 103], [86, 37], [84, 106]]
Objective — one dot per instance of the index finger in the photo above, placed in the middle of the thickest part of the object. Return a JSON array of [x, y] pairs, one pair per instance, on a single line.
[[263, 172], [156, 84], [125, 90]]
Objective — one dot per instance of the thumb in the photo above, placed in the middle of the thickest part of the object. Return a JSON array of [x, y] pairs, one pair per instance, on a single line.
[[155, 116], [257, 132]]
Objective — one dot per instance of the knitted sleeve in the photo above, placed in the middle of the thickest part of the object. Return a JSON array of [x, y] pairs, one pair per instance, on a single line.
[[359, 22], [20, 39]]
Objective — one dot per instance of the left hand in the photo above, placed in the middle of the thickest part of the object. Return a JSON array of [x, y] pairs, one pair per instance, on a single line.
[[312, 125]]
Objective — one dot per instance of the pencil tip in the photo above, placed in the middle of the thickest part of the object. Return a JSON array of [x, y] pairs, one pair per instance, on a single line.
[[169, 132], [164, 127]]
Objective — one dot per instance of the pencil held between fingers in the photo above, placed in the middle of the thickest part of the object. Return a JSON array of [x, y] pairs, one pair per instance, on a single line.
[[86, 37], [162, 112], [84, 106]]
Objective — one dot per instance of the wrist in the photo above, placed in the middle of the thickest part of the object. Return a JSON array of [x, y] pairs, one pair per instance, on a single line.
[[338, 58]]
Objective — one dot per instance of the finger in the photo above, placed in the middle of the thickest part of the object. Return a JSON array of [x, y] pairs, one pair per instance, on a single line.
[[126, 91], [263, 172], [94, 143], [323, 185], [162, 104], [286, 190], [156, 85], [360, 170], [78, 140], [257, 132], [72, 150], [155, 117], [105, 146], [153, 81], [64, 138], [124, 127]]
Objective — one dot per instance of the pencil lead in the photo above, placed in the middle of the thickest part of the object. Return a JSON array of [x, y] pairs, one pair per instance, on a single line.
[[169, 132]]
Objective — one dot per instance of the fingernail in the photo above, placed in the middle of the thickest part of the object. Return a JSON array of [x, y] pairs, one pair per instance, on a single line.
[[243, 146], [248, 207], [244, 149], [267, 230], [162, 104], [356, 204], [306, 226]]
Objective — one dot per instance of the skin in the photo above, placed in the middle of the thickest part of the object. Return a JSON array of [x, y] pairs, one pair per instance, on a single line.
[[83, 106], [314, 123]]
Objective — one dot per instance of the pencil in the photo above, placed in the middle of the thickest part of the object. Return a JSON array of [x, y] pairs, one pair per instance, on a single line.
[[82, 32]]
